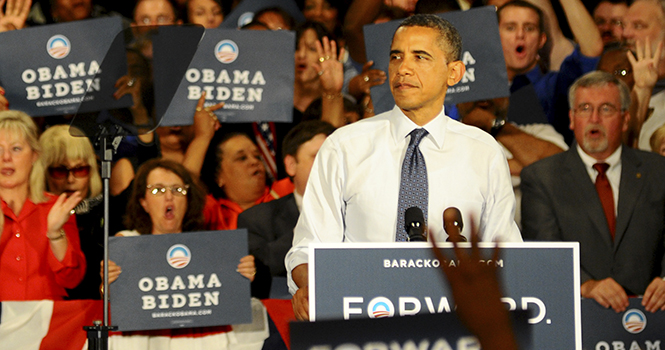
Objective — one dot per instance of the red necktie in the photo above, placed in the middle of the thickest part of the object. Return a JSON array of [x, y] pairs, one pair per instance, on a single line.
[[606, 197]]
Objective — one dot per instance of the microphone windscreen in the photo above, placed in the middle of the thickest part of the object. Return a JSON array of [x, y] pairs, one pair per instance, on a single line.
[[413, 214]]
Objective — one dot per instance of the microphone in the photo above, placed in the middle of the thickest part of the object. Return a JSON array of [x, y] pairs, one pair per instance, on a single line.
[[453, 225], [414, 223]]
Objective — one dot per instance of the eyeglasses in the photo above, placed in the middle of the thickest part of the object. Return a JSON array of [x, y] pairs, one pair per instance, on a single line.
[[159, 20], [605, 110], [62, 172], [176, 190]]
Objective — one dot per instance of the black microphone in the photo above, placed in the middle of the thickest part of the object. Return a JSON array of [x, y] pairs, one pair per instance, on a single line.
[[453, 225], [414, 223]]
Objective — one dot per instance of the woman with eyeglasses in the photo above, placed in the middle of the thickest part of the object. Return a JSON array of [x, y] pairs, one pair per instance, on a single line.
[[167, 199], [40, 255], [70, 165]]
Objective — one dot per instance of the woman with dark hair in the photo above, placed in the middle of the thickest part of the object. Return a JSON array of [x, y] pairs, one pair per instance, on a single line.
[[167, 199], [182, 204], [319, 73], [236, 177]]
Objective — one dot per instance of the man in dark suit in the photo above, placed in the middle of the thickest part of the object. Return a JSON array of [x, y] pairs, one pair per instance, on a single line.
[[271, 224], [616, 210]]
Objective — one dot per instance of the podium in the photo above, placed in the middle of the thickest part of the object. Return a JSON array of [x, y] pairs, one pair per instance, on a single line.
[[373, 280]]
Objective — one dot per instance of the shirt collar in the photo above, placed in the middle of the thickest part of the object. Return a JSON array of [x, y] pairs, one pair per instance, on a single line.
[[298, 197], [401, 126], [613, 160]]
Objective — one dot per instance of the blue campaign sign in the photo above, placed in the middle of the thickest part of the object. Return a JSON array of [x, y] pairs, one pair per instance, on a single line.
[[485, 76], [435, 331], [635, 328], [244, 12], [252, 72], [179, 280], [372, 280], [49, 70]]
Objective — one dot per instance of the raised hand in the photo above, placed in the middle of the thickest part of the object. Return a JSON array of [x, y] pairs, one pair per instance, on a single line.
[[205, 120], [15, 15], [331, 70], [61, 211], [645, 66]]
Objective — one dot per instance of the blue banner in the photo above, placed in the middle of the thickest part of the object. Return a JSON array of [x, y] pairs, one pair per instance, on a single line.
[[179, 280], [635, 328], [252, 72], [244, 12], [372, 280], [49, 70]]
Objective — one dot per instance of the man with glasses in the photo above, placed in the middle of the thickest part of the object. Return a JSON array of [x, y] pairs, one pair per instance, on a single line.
[[607, 197], [608, 16]]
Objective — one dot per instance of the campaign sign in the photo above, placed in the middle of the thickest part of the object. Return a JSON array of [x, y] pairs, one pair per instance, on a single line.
[[179, 280], [252, 72], [49, 70], [372, 280], [485, 76], [423, 332], [635, 328], [244, 12]]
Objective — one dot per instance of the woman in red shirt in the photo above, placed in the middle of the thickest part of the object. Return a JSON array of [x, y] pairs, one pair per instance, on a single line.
[[40, 254]]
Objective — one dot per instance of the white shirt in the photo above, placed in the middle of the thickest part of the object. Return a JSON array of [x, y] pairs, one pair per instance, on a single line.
[[353, 188], [655, 121]]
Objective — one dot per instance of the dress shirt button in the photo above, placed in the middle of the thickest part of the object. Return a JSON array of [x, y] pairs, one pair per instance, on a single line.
[[18, 235], [18, 258]]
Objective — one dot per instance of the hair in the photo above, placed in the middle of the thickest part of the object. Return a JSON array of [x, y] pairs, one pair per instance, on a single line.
[[302, 133], [20, 124], [613, 2], [138, 219], [657, 138], [255, 25], [320, 30], [59, 146], [524, 4], [449, 41], [600, 79], [436, 6], [212, 165], [185, 10], [288, 19]]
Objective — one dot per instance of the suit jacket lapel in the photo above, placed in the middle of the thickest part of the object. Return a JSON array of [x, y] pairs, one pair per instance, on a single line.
[[629, 190], [587, 196]]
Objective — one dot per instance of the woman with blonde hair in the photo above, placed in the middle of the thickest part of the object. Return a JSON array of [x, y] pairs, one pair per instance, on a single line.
[[70, 165], [40, 254]]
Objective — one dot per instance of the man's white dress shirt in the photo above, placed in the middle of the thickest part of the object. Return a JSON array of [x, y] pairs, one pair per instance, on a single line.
[[353, 188]]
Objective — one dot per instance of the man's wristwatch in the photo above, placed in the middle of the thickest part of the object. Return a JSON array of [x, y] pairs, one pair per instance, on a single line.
[[497, 126]]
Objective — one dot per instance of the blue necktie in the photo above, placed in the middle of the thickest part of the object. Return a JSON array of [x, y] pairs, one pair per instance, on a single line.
[[413, 186]]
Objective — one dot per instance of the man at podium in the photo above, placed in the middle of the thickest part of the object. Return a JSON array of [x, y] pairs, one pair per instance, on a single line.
[[366, 175]]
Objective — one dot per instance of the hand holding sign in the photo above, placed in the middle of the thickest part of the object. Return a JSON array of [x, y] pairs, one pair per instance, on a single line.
[[4, 104]]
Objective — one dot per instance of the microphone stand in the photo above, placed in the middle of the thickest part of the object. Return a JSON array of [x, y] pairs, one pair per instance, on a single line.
[[108, 138]]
